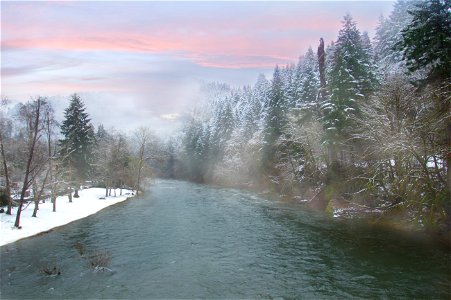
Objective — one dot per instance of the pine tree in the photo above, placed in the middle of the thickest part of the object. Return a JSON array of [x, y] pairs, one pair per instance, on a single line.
[[388, 35], [307, 77], [169, 169], [78, 139], [101, 133], [225, 121], [426, 47], [350, 78], [221, 128], [262, 91], [427, 39], [367, 61], [276, 119], [196, 146], [290, 85], [251, 113]]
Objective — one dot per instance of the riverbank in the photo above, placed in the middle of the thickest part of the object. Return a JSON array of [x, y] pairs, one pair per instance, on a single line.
[[189, 241], [90, 201], [318, 200]]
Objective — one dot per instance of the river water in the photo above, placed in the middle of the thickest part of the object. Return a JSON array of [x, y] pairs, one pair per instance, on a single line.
[[183, 240]]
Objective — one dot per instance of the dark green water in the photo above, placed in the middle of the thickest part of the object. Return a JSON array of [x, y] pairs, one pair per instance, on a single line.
[[183, 240]]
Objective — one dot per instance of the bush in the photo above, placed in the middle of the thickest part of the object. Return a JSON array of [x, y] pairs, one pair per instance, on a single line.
[[3, 200], [100, 260], [51, 270]]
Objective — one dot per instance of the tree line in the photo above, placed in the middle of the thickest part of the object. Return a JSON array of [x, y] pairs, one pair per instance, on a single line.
[[358, 121], [42, 159], [364, 121]]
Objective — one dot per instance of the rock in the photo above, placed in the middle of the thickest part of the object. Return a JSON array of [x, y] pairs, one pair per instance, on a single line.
[[2, 211]]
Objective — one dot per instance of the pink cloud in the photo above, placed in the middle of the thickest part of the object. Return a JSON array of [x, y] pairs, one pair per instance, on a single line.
[[152, 55], [272, 32], [202, 50]]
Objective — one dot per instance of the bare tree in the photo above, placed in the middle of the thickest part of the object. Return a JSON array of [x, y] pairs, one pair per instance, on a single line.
[[3, 122], [119, 159], [113, 161], [50, 123], [32, 115], [401, 141], [40, 161], [101, 153], [142, 136], [301, 154], [43, 160], [322, 71]]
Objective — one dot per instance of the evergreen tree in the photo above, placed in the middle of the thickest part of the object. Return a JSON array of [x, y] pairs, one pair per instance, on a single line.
[[225, 121], [368, 76], [169, 170], [78, 139], [426, 47], [308, 80], [262, 91], [427, 39], [388, 35], [101, 133], [196, 144], [350, 78], [276, 119], [329, 59], [251, 113], [221, 128], [290, 85]]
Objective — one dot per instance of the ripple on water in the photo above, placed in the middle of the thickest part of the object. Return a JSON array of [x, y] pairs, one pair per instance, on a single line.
[[183, 240]]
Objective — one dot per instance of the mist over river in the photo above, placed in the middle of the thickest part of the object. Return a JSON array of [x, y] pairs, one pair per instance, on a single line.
[[183, 240]]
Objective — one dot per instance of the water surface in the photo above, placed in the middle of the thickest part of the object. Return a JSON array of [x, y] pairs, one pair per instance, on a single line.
[[183, 240]]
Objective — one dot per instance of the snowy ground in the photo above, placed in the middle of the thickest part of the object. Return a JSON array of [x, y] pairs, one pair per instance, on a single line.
[[88, 204]]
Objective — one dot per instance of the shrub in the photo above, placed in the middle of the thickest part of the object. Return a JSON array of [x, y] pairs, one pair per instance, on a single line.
[[100, 260], [51, 270]]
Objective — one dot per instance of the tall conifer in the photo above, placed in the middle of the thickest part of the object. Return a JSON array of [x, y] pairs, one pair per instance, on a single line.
[[78, 139], [276, 118], [350, 78]]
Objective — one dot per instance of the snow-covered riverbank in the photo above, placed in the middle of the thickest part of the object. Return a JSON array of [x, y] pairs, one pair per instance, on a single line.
[[89, 203]]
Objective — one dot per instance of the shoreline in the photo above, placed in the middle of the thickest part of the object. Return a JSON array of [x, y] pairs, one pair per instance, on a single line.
[[396, 222], [87, 204]]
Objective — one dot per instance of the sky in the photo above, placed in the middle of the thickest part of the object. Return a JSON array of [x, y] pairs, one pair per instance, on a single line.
[[142, 63]]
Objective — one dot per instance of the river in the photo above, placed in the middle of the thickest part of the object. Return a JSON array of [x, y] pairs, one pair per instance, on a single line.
[[183, 240]]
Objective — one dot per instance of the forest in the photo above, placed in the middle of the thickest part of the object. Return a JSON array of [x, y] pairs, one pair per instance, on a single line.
[[357, 126], [43, 159]]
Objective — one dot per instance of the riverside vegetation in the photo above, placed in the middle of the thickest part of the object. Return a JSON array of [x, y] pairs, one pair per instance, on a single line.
[[359, 128]]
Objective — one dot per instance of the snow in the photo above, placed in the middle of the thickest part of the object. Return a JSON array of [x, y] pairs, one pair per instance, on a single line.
[[89, 203], [432, 164]]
